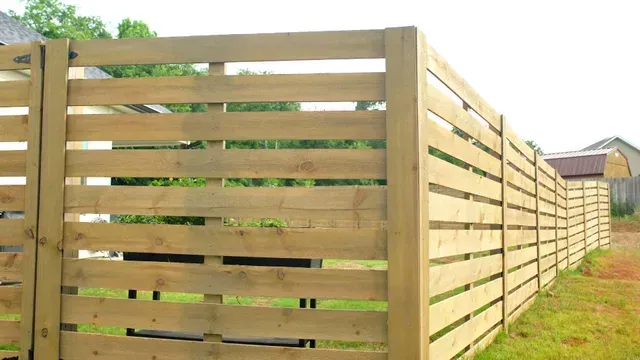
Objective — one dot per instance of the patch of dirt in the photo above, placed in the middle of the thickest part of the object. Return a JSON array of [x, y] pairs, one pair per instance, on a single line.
[[625, 226], [574, 341], [617, 265], [626, 241]]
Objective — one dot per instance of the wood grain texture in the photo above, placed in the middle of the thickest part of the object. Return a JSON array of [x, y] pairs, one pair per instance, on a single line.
[[451, 209], [438, 66], [51, 206], [9, 332], [446, 174], [408, 193], [520, 162], [447, 109], [14, 93], [229, 88], [366, 244], [522, 294], [521, 275], [339, 203], [10, 300], [82, 346], [453, 342], [234, 280], [443, 243], [254, 163], [508, 174], [514, 139], [268, 125], [9, 52], [361, 44], [12, 232], [521, 181], [520, 237], [452, 144], [230, 320], [447, 277], [454, 308], [523, 218], [12, 197], [13, 127], [13, 163], [11, 266], [522, 256], [520, 199]]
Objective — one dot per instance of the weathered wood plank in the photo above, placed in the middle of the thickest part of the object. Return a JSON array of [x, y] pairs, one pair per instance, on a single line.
[[225, 89], [14, 93], [520, 237], [268, 125], [229, 241], [9, 52], [519, 257], [517, 217], [446, 174], [360, 44], [13, 163], [230, 320], [9, 332], [218, 163], [520, 162], [520, 199], [444, 243], [519, 180], [522, 294], [12, 232], [451, 209], [13, 127], [521, 275], [12, 197], [11, 300], [221, 279], [339, 203], [82, 346], [450, 276]]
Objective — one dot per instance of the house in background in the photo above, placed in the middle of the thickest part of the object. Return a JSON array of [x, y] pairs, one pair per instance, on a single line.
[[14, 32], [631, 152], [590, 164]]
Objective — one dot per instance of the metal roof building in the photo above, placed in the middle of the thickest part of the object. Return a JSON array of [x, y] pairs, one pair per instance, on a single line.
[[598, 163]]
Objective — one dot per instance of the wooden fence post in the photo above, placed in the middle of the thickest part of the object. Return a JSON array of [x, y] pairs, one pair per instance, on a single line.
[[407, 194], [598, 204], [32, 190], [555, 184], [566, 209], [51, 222], [584, 215], [505, 250], [536, 159]]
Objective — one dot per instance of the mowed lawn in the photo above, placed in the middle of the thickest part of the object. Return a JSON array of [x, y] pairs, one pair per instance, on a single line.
[[589, 313]]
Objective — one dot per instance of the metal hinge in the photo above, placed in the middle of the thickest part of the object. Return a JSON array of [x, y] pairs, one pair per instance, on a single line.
[[26, 59], [23, 59]]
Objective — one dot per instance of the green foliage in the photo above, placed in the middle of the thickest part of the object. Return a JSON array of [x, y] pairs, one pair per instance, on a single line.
[[55, 20], [622, 209], [532, 144]]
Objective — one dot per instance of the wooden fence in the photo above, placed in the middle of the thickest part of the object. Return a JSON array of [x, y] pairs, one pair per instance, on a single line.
[[625, 193], [472, 222]]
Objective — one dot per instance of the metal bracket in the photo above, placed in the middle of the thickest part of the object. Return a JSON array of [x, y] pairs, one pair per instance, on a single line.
[[72, 55], [23, 59]]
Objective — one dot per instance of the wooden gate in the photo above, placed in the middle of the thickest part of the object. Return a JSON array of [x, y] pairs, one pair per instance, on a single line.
[[20, 120]]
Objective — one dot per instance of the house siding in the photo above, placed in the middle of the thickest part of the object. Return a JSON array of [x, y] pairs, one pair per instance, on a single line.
[[633, 155]]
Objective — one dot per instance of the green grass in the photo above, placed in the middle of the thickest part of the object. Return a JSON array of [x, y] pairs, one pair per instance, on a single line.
[[582, 317]]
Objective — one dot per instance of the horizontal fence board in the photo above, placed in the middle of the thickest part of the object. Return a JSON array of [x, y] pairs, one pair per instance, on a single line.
[[446, 174], [521, 275], [13, 163], [439, 67], [547, 249], [482, 343], [10, 332], [561, 202], [10, 300], [82, 346], [520, 162], [548, 262], [563, 264], [444, 243], [447, 109], [549, 172], [329, 203], [229, 240], [265, 125], [545, 180], [562, 223], [562, 233], [14, 93], [450, 276], [12, 197], [576, 257], [517, 217], [519, 257], [575, 211], [547, 235], [457, 339], [12, 232], [520, 199], [237, 163], [11, 266], [573, 185], [523, 147], [220, 279], [9, 52], [454, 145], [547, 208], [454, 308], [232, 88], [520, 180], [451, 209], [516, 314], [13, 127], [520, 237], [230, 320], [562, 244], [361, 44], [546, 194], [522, 294], [547, 221]]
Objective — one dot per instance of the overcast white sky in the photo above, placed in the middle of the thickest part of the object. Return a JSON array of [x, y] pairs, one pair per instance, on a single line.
[[565, 73]]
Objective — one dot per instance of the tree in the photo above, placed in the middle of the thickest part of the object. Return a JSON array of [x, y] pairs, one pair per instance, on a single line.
[[532, 144], [55, 20]]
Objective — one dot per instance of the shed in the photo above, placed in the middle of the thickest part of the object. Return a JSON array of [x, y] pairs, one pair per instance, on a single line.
[[590, 164], [631, 151]]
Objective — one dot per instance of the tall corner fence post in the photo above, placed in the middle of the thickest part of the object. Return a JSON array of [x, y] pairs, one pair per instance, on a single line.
[[566, 210], [584, 215], [555, 184], [51, 204], [537, 175], [32, 191], [505, 230], [407, 194], [609, 214], [598, 216]]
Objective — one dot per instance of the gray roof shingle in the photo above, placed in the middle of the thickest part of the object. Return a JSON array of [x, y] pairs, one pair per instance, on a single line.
[[14, 32]]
